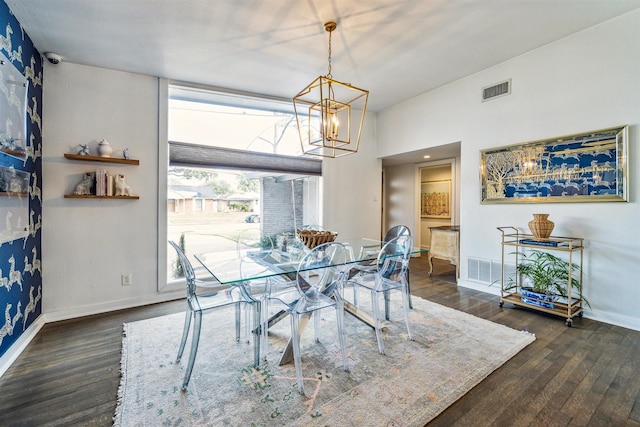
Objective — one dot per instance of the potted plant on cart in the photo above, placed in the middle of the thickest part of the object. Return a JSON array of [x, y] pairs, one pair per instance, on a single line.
[[544, 278]]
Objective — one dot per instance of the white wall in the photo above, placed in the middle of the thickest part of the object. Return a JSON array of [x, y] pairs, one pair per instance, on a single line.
[[88, 244], [584, 82], [400, 198], [352, 189]]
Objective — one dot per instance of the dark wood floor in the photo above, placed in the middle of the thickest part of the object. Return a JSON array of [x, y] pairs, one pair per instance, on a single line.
[[587, 375]]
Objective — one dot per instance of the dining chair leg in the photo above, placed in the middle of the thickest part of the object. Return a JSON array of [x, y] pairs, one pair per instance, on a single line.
[[238, 312], [376, 320], [248, 315], [406, 275], [316, 325], [185, 332], [386, 304], [406, 304], [257, 320], [295, 338], [355, 294], [264, 327], [194, 348], [341, 334]]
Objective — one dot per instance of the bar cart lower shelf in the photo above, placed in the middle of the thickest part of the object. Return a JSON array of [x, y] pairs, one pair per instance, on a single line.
[[561, 309], [516, 243]]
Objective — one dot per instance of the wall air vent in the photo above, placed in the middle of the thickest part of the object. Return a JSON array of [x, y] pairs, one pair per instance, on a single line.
[[487, 271], [496, 91]]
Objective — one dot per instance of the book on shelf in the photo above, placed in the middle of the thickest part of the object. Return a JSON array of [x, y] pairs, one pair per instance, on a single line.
[[110, 185], [550, 243], [104, 183]]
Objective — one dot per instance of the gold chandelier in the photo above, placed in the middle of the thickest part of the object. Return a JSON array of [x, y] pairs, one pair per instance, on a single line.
[[330, 114]]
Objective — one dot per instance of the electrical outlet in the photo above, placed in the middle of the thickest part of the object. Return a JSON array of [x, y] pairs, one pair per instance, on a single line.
[[126, 279]]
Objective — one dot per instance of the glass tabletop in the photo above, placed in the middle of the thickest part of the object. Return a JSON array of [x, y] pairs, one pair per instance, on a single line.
[[257, 263]]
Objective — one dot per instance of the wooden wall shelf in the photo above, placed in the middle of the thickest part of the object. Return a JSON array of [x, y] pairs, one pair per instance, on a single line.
[[91, 196], [9, 194], [87, 158], [101, 159], [14, 153]]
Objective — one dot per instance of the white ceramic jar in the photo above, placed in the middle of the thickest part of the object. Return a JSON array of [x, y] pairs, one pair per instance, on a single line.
[[104, 148]]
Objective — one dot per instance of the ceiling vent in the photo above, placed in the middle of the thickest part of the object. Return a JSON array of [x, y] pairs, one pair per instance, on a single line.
[[496, 91]]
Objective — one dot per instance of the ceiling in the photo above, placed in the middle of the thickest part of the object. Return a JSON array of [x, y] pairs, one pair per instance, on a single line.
[[396, 49]]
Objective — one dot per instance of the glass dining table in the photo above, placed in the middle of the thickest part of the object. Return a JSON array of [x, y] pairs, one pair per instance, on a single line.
[[253, 263], [257, 264]]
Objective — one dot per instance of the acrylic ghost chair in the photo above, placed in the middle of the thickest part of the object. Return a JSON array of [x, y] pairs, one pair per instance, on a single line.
[[254, 253], [319, 279], [390, 274], [199, 303], [393, 232], [251, 248]]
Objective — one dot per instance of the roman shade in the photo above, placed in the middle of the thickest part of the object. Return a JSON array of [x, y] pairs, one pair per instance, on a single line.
[[182, 154]]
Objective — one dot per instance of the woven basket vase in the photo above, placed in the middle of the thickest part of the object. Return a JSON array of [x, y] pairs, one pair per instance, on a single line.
[[541, 227], [313, 238]]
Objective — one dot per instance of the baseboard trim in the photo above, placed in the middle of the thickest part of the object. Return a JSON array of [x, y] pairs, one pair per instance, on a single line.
[[21, 343], [482, 287], [92, 309], [597, 315]]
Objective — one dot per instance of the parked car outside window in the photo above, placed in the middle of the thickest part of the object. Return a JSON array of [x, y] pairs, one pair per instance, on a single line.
[[252, 218]]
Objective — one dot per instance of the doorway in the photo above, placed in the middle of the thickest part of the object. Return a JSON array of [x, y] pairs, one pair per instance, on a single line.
[[439, 218], [437, 201]]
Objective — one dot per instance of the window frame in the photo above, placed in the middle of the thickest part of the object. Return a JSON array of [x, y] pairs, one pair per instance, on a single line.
[[309, 166]]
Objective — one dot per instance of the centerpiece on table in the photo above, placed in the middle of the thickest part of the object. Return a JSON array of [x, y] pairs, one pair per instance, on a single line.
[[313, 238]]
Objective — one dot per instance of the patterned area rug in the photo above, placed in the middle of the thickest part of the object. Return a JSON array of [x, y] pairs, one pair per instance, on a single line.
[[410, 385]]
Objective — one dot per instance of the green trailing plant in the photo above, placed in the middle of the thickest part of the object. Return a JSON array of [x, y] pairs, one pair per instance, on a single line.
[[546, 274], [268, 242]]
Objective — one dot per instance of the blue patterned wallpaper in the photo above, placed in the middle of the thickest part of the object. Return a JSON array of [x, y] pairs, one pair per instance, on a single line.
[[20, 259]]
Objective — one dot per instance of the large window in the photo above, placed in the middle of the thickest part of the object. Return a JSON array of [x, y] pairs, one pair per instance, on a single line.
[[234, 163], [232, 121]]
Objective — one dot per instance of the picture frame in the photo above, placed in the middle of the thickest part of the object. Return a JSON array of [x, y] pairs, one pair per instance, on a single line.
[[13, 110], [435, 200], [14, 204], [585, 167]]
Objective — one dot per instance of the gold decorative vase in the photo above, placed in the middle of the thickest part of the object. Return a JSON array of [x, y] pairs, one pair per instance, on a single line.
[[541, 227]]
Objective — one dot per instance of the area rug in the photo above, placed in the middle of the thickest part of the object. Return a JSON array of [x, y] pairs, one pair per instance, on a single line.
[[416, 380]]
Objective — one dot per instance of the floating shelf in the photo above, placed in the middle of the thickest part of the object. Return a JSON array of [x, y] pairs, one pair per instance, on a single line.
[[91, 196], [9, 194], [14, 153], [101, 159]]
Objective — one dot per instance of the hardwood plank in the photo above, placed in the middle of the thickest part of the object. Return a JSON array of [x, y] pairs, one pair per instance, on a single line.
[[617, 403]]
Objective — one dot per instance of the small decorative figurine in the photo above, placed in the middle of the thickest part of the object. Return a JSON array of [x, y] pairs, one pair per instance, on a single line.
[[125, 153], [122, 188], [84, 150], [84, 187], [104, 148]]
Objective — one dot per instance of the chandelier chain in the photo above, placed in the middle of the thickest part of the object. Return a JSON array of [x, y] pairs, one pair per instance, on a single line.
[[329, 73]]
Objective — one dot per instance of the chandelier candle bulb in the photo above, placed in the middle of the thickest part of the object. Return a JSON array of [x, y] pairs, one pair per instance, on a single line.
[[334, 126]]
